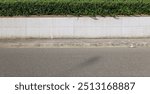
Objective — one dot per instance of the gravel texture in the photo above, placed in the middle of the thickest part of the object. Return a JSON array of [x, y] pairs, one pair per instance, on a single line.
[[73, 43]]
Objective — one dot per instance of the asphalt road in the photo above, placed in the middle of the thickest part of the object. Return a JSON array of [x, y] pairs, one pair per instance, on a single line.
[[78, 62]]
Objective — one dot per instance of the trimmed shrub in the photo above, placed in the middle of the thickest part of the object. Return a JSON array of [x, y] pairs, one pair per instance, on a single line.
[[28, 8]]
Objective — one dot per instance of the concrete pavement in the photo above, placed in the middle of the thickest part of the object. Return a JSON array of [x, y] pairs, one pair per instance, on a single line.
[[75, 62]]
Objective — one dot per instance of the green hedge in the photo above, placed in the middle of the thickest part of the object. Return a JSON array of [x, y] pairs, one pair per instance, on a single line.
[[73, 8]]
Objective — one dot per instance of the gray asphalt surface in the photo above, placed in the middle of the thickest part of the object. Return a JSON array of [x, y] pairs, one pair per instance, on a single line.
[[78, 62]]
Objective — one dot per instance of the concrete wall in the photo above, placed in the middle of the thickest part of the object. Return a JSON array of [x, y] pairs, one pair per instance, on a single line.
[[74, 27]]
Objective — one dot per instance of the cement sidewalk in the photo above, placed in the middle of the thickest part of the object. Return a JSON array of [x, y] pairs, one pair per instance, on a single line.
[[73, 43]]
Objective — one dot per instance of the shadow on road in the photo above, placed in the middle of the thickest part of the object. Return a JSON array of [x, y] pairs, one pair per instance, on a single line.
[[87, 63]]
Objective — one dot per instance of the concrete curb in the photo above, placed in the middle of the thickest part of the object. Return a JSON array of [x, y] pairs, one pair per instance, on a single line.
[[74, 27]]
